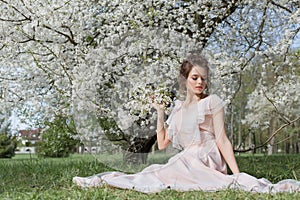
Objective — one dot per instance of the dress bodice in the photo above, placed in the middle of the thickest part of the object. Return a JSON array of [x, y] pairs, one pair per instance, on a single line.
[[193, 123]]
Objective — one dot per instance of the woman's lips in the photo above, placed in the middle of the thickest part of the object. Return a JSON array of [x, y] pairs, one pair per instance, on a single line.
[[199, 87]]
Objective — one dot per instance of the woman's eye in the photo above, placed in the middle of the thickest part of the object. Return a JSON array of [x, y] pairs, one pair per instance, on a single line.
[[195, 78]]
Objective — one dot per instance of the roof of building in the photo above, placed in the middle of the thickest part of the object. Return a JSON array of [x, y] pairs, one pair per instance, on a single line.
[[30, 134]]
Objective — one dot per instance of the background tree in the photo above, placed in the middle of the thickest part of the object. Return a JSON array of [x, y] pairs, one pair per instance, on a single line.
[[57, 140], [278, 97], [8, 142], [8, 145], [99, 57]]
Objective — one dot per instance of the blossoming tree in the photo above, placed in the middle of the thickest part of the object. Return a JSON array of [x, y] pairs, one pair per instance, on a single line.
[[104, 59]]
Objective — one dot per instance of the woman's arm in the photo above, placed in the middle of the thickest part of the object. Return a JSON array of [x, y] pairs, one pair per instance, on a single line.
[[162, 139], [223, 142]]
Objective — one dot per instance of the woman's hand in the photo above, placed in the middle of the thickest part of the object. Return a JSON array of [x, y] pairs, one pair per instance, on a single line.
[[158, 107], [161, 132]]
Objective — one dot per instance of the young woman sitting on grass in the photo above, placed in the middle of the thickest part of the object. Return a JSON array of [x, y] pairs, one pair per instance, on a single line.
[[196, 127]]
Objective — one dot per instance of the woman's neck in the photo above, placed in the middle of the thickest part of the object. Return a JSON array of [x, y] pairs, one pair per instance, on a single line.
[[190, 99]]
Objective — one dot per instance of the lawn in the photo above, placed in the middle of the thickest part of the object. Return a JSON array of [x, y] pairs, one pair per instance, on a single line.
[[25, 177]]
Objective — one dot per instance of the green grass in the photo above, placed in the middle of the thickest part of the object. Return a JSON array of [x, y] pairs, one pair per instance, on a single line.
[[34, 178]]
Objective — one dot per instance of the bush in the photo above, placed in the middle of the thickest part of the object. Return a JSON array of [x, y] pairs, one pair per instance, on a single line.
[[57, 140], [8, 145]]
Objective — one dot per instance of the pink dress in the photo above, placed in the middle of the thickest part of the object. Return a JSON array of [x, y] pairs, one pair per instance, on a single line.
[[199, 166]]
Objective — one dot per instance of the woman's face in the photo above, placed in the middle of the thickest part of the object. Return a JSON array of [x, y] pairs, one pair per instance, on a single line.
[[196, 81]]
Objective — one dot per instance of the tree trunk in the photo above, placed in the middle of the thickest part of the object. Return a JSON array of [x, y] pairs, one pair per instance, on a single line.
[[297, 143], [272, 128], [287, 147], [296, 148], [240, 128], [250, 139], [137, 153], [232, 125]]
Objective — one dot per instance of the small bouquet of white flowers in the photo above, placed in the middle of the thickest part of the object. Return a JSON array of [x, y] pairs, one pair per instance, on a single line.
[[141, 99]]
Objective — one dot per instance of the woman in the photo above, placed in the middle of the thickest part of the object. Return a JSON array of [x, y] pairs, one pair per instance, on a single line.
[[196, 126]]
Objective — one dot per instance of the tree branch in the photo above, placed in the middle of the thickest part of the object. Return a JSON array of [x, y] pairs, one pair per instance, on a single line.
[[270, 138], [70, 38], [259, 43], [276, 109], [18, 11], [281, 6]]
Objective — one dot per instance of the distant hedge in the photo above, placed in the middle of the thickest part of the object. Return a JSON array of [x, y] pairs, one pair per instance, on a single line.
[[8, 145], [57, 140]]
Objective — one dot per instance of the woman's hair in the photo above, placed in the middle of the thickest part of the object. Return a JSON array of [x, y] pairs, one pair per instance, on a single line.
[[186, 67]]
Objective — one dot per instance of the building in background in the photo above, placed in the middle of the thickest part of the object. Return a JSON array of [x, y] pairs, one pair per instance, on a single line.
[[28, 140]]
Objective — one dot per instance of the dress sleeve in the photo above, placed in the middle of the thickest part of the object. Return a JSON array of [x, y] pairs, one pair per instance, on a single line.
[[172, 131], [216, 104], [210, 106], [176, 107]]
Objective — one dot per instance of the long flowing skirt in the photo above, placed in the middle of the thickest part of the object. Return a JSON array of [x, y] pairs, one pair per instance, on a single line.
[[191, 169]]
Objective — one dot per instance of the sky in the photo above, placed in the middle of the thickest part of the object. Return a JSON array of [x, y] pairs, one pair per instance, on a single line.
[[16, 124], [296, 43]]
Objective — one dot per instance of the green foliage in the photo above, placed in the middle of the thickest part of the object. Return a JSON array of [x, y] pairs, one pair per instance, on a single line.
[[58, 140], [8, 145], [113, 132]]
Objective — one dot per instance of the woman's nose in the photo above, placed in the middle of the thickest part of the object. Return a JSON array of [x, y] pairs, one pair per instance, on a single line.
[[199, 80]]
